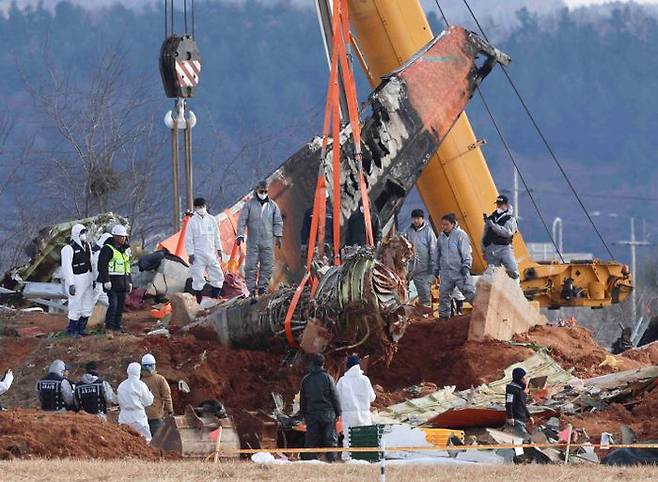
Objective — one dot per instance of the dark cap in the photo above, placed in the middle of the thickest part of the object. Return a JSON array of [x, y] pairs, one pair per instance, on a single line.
[[502, 199], [417, 213], [518, 373], [261, 184], [317, 360], [352, 360], [91, 367], [198, 202]]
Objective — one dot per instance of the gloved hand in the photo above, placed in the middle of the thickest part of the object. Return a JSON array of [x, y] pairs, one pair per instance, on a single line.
[[465, 271], [239, 240], [278, 241], [107, 286], [72, 290], [191, 258], [488, 222], [509, 422]]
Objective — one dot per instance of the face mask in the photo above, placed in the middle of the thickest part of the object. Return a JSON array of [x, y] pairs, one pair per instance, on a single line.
[[202, 211], [500, 210], [83, 237], [262, 196]]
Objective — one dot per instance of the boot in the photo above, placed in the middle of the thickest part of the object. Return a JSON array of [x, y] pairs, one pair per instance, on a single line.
[[72, 328], [460, 307], [199, 296], [82, 326], [215, 293]]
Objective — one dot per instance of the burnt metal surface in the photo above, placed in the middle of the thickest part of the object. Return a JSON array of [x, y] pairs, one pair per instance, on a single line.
[[410, 114], [362, 301]]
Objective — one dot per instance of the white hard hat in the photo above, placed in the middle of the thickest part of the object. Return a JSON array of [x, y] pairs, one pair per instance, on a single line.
[[148, 359], [119, 230]]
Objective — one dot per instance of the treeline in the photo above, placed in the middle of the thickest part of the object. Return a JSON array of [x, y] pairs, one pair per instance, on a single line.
[[263, 79]]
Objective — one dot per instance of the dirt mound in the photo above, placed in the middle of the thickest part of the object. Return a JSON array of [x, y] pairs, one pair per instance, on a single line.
[[576, 348], [436, 351], [31, 433], [647, 355]]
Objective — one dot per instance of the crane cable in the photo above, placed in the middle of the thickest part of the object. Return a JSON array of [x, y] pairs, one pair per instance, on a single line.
[[169, 17], [543, 138], [511, 157]]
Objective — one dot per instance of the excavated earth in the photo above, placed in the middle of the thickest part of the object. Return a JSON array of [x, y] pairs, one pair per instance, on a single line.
[[432, 354], [33, 433]]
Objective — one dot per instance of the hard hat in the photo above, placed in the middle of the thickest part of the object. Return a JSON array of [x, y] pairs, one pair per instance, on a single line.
[[119, 230], [148, 359]]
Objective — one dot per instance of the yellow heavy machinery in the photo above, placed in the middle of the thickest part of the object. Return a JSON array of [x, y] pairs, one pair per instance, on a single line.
[[457, 178]]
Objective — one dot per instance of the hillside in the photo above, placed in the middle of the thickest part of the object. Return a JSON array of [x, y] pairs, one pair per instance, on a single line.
[[587, 78]]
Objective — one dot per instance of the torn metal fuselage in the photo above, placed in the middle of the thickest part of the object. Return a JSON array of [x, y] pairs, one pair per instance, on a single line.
[[364, 300], [411, 112]]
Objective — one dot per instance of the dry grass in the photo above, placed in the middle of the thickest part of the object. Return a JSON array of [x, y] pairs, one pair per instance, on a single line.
[[135, 470]]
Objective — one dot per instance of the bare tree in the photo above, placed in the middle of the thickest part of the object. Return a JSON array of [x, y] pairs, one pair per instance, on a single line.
[[104, 154]]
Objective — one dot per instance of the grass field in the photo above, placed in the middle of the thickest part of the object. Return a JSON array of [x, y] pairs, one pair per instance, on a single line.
[[134, 470]]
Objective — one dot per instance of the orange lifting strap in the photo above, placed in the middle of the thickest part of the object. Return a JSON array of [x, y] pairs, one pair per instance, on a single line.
[[341, 37]]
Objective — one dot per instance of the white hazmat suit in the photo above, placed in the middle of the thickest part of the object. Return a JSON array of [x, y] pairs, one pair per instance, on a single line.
[[355, 394], [6, 382], [78, 278], [133, 395], [99, 292], [203, 243]]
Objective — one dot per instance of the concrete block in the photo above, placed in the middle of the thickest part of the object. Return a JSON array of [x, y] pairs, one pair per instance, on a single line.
[[97, 316], [184, 308], [500, 310]]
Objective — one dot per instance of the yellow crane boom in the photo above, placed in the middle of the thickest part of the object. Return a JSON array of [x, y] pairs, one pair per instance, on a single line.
[[457, 179]]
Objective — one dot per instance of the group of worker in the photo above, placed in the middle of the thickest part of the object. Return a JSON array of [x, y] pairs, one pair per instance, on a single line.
[[93, 274], [261, 218], [449, 258], [322, 403], [144, 397]]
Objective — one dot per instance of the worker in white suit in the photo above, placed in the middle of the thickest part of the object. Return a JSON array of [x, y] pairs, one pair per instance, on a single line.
[[355, 394], [6, 382], [99, 294], [134, 396], [78, 280], [204, 250]]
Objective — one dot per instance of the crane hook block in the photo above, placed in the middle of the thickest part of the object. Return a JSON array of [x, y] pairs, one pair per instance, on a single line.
[[180, 66]]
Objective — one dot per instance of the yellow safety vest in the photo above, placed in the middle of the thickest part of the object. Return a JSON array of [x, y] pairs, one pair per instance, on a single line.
[[120, 262]]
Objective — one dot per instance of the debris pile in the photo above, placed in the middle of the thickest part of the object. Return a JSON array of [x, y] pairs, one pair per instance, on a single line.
[[32, 433]]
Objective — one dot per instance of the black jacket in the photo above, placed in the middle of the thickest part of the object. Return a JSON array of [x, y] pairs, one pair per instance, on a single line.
[[328, 226], [356, 229], [515, 402], [119, 282], [318, 396]]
